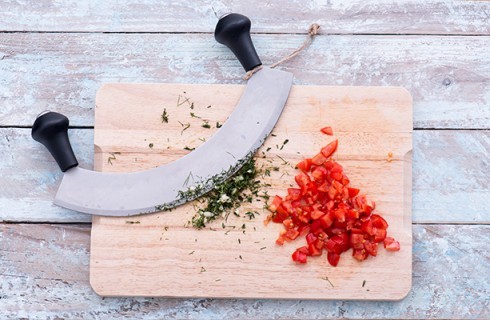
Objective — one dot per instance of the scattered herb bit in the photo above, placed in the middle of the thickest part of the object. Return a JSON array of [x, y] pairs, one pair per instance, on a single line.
[[273, 135], [284, 143], [164, 116], [192, 252], [188, 149], [284, 161], [326, 279], [251, 214], [185, 99], [206, 125], [192, 105], [202, 139], [193, 115], [240, 257], [218, 125], [243, 226], [203, 269], [112, 157], [208, 106], [239, 241], [150, 145], [185, 126], [132, 222], [263, 248], [268, 149], [217, 280], [363, 283]]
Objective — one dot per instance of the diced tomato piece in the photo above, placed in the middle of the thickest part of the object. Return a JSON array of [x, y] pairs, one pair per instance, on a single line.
[[310, 238], [333, 246], [332, 192], [371, 248], [391, 244], [367, 227], [345, 181], [329, 165], [337, 176], [302, 179], [333, 258], [379, 234], [353, 192], [327, 220], [318, 159], [340, 214], [352, 214], [294, 193], [357, 241], [288, 223], [338, 186], [300, 255], [276, 201], [360, 254], [327, 131], [336, 167], [319, 174], [315, 214], [280, 214], [304, 165], [280, 240], [379, 222], [313, 250], [291, 234], [324, 187], [330, 149]]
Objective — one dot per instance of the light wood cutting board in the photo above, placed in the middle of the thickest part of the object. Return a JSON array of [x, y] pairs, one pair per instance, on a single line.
[[158, 255]]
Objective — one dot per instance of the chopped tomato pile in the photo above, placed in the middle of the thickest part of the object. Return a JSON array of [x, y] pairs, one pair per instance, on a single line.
[[330, 213]]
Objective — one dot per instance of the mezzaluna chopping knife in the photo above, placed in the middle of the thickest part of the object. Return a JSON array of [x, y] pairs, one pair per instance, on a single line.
[[164, 187]]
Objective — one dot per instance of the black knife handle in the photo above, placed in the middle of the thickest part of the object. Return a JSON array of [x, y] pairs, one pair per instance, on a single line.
[[233, 30], [51, 129]]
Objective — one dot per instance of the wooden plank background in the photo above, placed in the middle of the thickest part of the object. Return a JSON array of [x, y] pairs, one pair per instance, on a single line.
[[55, 55]]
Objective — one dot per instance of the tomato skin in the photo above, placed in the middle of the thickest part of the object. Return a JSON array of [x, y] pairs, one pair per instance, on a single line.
[[327, 131], [357, 241], [330, 149], [391, 244], [294, 193], [333, 258]]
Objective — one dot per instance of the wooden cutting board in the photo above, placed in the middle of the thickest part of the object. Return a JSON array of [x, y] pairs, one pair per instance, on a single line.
[[159, 255]]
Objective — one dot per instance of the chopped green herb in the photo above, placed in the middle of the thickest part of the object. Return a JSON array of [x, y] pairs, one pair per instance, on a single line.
[[192, 252], [203, 269], [202, 139], [188, 149], [227, 196], [284, 143], [206, 125], [150, 145], [112, 157], [193, 115], [218, 125], [363, 283], [133, 222], [164, 116], [185, 126], [268, 149], [263, 248]]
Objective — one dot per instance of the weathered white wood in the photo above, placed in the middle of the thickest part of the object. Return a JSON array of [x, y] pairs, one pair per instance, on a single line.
[[448, 77], [44, 274], [335, 16], [450, 176]]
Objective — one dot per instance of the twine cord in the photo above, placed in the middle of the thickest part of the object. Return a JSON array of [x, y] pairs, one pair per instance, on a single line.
[[312, 32]]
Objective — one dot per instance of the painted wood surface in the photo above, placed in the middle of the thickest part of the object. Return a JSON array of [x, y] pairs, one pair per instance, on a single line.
[[335, 16], [448, 77], [450, 176], [232, 262], [44, 275]]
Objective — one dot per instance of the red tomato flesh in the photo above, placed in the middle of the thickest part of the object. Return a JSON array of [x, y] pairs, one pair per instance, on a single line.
[[329, 212]]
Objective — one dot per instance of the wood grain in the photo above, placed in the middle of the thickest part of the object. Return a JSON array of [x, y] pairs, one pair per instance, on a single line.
[[335, 16], [448, 77], [234, 263], [443, 175], [44, 274]]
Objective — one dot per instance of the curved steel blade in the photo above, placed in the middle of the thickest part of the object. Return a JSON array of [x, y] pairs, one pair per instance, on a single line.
[[164, 187]]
